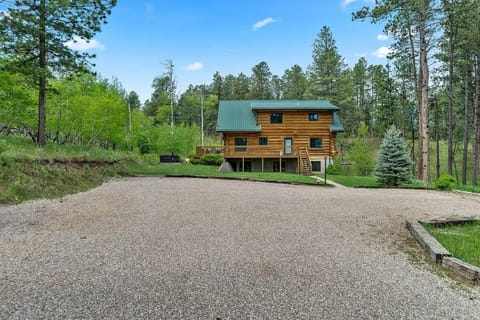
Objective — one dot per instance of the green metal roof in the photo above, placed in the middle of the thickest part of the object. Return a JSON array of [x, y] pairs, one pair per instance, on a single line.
[[292, 105], [239, 115], [236, 115], [336, 126]]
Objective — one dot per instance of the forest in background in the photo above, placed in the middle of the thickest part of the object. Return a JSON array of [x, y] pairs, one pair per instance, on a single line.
[[430, 90]]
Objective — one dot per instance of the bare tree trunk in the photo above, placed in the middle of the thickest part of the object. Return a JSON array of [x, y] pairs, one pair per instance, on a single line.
[[420, 128], [416, 81], [465, 129], [450, 105], [413, 150], [455, 169], [437, 137], [476, 136], [424, 77], [42, 80]]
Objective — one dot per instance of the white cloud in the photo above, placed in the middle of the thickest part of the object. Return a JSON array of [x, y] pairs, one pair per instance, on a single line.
[[382, 37], [345, 3], [263, 23], [194, 66], [382, 52], [80, 44]]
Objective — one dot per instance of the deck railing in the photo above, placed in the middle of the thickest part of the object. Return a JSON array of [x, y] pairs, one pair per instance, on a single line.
[[303, 154], [258, 152], [201, 150], [252, 151]]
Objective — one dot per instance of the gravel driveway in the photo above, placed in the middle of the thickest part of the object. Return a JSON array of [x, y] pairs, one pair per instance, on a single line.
[[172, 248]]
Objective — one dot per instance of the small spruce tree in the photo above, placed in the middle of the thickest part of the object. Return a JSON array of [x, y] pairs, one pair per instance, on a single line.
[[393, 166]]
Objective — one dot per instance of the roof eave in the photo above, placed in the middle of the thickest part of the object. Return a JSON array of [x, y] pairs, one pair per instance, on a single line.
[[238, 130], [337, 129], [296, 109]]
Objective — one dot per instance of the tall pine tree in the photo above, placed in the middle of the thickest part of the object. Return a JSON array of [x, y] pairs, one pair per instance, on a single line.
[[326, 70], [33, 38]]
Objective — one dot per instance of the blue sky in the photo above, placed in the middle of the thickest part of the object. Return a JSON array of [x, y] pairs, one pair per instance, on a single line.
[[229, 36]]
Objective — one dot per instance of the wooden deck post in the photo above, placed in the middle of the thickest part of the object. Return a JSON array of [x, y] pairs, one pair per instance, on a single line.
[[243, 164], [263, 165]]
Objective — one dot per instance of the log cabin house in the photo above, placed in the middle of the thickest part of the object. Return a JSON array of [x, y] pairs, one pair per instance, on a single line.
[[295, 136]]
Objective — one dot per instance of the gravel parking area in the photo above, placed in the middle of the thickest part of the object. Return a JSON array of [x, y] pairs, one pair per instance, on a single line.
[[172, 248]]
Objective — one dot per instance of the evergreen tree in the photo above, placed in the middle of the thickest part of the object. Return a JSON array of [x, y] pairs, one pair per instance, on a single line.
[[241, 90], [277, 89], [393, 166], [412, 24], [158, 106], [360, 80], [228, 87], [294, 83], [260, 82], [33, 37], [327, 67], [217, 85], [133, 100], [385, 106]]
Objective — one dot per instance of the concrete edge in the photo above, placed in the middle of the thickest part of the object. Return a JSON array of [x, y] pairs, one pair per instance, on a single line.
[[439, 253], [429, 243]]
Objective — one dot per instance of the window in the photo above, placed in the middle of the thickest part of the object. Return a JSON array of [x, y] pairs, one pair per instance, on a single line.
[[313, 116], [263, 141], [276, 117], [316, 166], [316, 143], [240, 144]]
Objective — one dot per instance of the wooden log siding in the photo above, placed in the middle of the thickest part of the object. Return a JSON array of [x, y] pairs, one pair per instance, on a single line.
[[296, 125]]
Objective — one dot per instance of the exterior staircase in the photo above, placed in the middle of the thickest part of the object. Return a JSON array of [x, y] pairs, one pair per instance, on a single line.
[[305, 164]]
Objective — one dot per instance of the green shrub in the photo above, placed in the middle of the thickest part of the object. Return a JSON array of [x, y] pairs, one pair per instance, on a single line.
[[332, 169], [361, 153], [194, 160], [445, 182], [211, 159], [143, 144]]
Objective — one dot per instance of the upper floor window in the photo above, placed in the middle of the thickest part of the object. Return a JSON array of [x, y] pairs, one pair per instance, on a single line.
[[313, 116], [263, 141], [316, 143], [276, 117], [240, 144]]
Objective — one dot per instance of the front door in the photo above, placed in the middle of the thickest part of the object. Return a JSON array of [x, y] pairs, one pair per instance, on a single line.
[[288, 146]]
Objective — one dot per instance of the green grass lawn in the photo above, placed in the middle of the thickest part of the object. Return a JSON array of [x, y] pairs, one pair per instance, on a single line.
[[185, 169], [354, 181], [151, 167], [462, 240], [468, 188], [21, 178], [368, 181], [19, 148]]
